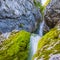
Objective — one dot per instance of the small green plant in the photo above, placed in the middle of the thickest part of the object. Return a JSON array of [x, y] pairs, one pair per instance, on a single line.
[[39, 5]]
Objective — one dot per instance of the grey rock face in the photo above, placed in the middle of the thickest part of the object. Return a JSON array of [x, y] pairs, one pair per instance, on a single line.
[[18, 14], [45, 29], [52, 13]]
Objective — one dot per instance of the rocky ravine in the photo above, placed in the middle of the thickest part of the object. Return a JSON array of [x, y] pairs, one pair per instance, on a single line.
[[49, 45], [18, 15], [17, 45]]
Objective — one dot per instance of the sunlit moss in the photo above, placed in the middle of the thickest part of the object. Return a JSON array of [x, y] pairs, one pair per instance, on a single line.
[[49, 44], [46, 3], [16, 47]]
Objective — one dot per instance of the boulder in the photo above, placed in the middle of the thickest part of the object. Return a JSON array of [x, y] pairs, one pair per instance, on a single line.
[[49, 46], [52, 13], [18, 15]]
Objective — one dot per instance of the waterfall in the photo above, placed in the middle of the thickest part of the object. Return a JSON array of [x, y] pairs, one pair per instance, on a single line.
[[41, 28], [33, 45], [34, 41]]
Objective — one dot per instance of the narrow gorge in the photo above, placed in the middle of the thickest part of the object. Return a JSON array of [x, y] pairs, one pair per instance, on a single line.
[[29, 29]]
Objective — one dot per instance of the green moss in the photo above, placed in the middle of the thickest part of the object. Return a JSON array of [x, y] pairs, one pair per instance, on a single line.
[[16, 47], [49, 44]]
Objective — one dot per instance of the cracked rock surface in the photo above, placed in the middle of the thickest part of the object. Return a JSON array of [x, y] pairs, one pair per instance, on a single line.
[[52, 13], [18, 15]]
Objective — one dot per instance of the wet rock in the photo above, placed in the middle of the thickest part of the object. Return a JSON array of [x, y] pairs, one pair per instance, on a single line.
[[52, 13], [45, 28], [18, 15], [55, 57]]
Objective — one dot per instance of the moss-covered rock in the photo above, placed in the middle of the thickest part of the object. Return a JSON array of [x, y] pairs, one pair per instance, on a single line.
[[49, 46], [16, 47]]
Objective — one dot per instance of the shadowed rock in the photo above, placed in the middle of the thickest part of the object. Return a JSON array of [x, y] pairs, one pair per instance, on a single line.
[[52, 13]]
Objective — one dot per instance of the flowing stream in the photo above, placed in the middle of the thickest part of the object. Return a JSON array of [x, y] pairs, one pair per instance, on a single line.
[[34, 41]]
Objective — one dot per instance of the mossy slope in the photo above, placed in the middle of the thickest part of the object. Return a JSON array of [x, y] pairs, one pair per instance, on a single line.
[[48, 45], [16, 47]]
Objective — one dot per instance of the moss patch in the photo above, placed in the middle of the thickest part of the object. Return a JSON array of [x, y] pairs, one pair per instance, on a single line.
[[48, 45], [16, 47]]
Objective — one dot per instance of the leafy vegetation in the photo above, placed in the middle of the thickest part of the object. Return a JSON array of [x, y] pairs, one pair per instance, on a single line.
[[40, 6], [16, 47]]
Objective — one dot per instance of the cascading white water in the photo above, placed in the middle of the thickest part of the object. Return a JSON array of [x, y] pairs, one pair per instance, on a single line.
[[33, 45], [34, 41], [41, 28]]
